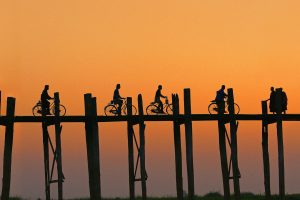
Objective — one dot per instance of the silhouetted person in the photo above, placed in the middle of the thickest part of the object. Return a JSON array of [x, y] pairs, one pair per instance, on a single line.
[[44, 99], [272, 105], [158, 95], [220, 99], [117, 99], [284, 101]]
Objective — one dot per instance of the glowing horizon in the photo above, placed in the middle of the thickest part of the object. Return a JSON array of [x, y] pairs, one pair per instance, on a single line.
[[88, 47]]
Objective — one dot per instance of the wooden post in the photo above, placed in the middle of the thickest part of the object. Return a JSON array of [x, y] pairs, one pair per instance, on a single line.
[[91, 128], [7, 160], [234, 154], [96, 149], [46, 152], [223, 155], [130, 149], [177, 145], [58, 128], [142, 147], [265, 149], [189, 142], [280, 143]]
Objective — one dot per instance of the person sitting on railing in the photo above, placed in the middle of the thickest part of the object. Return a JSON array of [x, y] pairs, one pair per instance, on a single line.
[[44, 99], [220, 99], [117, 99], [158, 95]]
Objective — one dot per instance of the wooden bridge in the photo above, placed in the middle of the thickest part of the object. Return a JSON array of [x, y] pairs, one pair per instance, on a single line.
[[229, 161]]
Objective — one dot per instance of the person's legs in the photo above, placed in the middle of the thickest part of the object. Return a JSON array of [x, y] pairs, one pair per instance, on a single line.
[[160, 106], [221, 107], [119, 102], [48, 107]]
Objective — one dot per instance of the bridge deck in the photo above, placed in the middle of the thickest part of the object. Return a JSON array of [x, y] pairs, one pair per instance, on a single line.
[[193, 117]]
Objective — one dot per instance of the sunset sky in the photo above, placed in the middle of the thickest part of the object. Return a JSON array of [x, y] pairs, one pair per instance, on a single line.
[[80, 47]]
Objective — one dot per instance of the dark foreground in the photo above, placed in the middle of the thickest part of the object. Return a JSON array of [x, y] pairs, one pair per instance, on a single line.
[[210, 196]]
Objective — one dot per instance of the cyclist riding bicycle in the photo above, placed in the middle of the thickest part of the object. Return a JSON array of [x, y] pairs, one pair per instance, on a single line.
[[44, 99], [221, 95], [158, 95], [117, 99]]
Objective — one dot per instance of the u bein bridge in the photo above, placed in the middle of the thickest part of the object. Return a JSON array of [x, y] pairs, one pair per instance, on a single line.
[[227, 127]]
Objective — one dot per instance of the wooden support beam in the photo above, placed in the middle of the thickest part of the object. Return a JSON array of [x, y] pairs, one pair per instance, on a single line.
[[223, 156], [96, 148], [189, 143], [91, 128], [280, 143], [58, 128], [7, 159], [265, 150], [46, 152], [177, 145], [234, 152], [142, 147], [130, 150]]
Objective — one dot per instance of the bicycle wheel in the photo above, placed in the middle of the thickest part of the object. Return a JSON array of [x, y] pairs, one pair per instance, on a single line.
[[110, 110], [169, 109], [134, 110], [236, 108], [37, 110], [213, 108], [62, 110], [152, 109]]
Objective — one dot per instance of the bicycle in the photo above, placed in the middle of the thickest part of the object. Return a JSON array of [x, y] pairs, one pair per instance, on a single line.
[[112, 109], [152, 109], [37, 109], [213, 107]]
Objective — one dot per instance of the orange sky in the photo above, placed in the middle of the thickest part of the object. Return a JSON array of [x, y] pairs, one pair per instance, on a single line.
[[79, 47]]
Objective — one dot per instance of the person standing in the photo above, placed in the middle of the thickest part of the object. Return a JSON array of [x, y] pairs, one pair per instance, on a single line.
[[272, 105], [284, 101]]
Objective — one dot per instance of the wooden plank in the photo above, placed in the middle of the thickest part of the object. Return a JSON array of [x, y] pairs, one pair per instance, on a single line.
[[234, 152], [130, 150], [8, 145], [58, 146], [189, 143], [177, 145], [265, 149], [142, 147], [194, 117], [280, 143]]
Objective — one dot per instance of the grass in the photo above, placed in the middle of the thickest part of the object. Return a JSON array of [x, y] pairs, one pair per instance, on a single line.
[[209, 196], [214, 196]]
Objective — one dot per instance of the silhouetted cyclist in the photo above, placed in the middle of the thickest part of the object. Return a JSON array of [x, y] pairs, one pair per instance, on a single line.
[[158, 95], [44, 99], [220, 99], [117, 99]]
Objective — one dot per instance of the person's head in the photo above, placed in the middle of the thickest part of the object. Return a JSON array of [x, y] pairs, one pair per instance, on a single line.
[[272, 89], [160, 87], [223, 87], [46, 87], [118, 86]]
